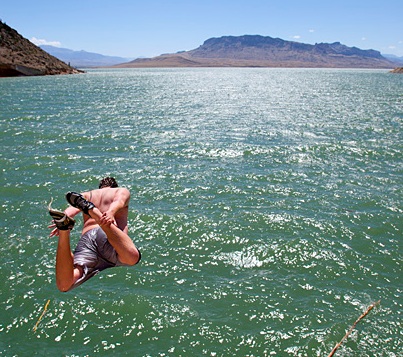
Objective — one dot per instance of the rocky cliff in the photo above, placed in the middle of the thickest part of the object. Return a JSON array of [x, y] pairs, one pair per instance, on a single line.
[[20, 57], [264, 51]]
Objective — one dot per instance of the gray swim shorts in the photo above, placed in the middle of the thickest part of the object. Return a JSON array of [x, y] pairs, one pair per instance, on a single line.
[[93, 254]]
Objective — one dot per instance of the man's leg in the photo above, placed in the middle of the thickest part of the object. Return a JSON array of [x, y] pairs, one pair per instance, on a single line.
[[66, 273], [120, 241]]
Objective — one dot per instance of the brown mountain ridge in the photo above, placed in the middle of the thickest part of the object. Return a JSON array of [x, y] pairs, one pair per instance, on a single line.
[[20, 57], [265, 51]]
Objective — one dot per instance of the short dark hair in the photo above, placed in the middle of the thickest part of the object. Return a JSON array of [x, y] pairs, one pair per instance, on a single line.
[[108, 182]]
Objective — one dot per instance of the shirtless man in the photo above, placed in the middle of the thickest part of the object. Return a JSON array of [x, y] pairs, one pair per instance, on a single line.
[[104, 241]]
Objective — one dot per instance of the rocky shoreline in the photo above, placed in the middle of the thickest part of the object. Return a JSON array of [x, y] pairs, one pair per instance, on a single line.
[[20, 57]]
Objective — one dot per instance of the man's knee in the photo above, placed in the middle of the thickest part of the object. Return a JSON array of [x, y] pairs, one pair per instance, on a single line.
[[132, 258]]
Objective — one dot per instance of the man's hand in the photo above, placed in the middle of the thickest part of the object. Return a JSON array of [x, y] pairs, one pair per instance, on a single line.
[[54, 232], [107, 219]]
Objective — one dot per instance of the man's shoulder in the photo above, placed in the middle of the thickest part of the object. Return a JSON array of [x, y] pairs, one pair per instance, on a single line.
[[109, 189], [123, 191], [107, 192], [115, 191]]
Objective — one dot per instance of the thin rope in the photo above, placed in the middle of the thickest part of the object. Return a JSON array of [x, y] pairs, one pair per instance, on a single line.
[[352, 327], [40, 317]]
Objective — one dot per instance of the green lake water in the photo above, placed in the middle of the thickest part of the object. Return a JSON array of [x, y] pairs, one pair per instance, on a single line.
[[267, 204]]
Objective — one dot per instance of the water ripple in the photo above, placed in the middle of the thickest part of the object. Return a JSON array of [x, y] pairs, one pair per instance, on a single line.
[[267, 204]]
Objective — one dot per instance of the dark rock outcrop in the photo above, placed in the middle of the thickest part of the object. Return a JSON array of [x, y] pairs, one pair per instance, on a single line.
[[397, 70], [20, 57], [264, 51]]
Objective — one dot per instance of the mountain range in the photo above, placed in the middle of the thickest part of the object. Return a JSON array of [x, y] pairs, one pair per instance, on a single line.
[[394, 58], [83, 59], [265, 51]]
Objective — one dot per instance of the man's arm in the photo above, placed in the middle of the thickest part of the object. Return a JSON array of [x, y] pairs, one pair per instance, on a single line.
[[120, 201]]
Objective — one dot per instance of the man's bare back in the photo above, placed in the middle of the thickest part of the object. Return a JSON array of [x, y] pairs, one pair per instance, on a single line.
[[107, 200]]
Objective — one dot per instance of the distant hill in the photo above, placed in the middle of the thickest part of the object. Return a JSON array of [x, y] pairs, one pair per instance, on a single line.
[[264, 51], [83, 59], [20, 57], [395, 59]]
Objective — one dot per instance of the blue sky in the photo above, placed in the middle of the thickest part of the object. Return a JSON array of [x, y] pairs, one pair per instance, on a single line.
[[152, 27]]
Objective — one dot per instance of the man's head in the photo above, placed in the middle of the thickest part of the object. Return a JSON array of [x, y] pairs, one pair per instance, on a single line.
[[108, 182]]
